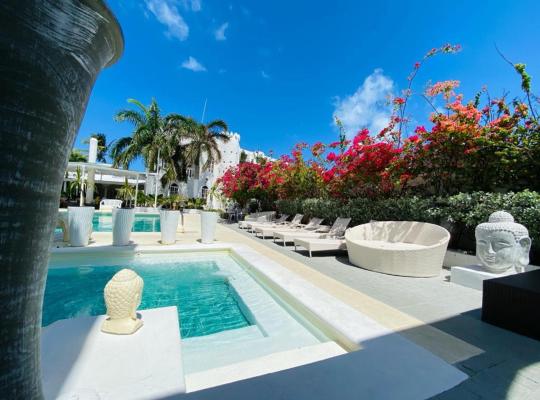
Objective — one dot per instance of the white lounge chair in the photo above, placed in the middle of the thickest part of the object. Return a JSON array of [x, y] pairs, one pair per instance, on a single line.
[[281, 220], [109, 204], [336, 230], [405, 248], [257, 217], [294, 223], [312, 226], [315, 244]]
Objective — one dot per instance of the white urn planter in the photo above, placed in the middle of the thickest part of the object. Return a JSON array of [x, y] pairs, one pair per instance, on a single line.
[[208, 226], [122, 225], [80, 225], [168, 220]]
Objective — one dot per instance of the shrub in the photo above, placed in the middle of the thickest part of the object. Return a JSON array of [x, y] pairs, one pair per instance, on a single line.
[[289, 207], [328, 209]]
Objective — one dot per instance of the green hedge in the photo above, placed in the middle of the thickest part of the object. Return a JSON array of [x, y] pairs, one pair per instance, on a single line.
[[459, 213]]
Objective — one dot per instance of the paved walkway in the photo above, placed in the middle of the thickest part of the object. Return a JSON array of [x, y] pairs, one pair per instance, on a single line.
[[508, 367]]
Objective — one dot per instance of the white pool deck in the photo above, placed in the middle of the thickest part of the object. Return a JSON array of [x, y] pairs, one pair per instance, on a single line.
[[366, 359]]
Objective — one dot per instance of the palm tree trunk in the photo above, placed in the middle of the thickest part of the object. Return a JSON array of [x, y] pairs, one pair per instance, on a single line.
[[51, 53]]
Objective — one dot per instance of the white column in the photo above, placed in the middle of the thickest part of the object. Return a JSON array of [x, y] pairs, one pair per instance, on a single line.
[[81, 200], [136, 189], [92, 157]]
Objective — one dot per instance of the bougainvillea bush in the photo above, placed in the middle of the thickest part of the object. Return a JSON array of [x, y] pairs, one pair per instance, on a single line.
[[482, 144]]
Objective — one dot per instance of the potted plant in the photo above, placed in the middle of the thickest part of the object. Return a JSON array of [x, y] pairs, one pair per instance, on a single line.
[[79, 217], [123, 217], [169, 214], [208, 225]]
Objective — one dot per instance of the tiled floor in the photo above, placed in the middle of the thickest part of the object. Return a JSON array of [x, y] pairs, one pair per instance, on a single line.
[[508, 367]]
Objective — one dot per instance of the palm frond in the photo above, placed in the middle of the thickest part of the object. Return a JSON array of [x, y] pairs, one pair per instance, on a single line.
[[217, 125], [132, 116]]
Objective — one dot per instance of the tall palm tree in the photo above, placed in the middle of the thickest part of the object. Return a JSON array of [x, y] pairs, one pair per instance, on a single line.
[[173, 143], [102, 146], [203, 142], [144, 141]]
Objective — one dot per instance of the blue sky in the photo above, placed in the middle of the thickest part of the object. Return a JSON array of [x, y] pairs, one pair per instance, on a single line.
[[277, 71]]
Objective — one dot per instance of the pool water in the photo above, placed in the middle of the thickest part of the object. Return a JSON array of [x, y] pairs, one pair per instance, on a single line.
[[102, 222], [207, 302]]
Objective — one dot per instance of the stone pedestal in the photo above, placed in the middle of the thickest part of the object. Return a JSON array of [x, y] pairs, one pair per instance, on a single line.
[[473, 276]]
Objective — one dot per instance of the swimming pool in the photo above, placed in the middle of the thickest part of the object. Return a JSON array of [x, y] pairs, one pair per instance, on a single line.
[[102, 222], [226, 316]]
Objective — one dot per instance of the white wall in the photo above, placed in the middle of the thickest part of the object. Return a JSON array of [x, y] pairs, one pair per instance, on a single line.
[[230, 157]]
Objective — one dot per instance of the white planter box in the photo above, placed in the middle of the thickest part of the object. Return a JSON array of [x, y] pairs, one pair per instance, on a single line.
[[169, 223], [80, 225], [208, 226], [122, 225]]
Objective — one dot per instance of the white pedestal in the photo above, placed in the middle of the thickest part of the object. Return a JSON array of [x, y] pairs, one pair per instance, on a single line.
[[473, 276], [208, 226], [81, 362], [122, 225], [168, 220]]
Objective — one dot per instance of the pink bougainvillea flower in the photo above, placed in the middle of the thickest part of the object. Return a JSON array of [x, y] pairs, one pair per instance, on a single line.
[[446, 88], [331, 156]]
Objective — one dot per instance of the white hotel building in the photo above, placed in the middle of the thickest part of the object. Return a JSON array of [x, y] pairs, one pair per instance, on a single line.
[[107, 179]]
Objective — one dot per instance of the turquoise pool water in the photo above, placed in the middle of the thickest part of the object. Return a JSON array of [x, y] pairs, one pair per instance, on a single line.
[[205, 300], [102, 222]]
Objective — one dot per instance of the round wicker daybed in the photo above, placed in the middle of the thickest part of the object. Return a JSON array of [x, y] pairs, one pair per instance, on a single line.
[[403, 248]]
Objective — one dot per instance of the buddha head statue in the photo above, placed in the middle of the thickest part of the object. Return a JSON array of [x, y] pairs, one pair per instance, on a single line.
[[123, 295], [502, 243]]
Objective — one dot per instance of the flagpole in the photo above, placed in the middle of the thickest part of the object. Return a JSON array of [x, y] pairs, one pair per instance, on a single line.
[[204, 110]]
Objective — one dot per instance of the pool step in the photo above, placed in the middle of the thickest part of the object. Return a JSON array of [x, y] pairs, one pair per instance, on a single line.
[[262, 365]]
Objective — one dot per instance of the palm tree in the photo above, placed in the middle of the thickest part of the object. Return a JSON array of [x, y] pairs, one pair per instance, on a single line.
[[77, 185], [126, 192], [102, 146], [144, 141], [203, 142], [172, 144]]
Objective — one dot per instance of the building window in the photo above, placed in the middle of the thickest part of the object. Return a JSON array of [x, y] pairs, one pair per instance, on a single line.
[[189, 172], [173, 189], [204, 192]]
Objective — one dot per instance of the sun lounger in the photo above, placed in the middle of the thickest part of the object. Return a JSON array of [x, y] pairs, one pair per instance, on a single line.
[[312, 226], [336, 230], [294, 223], [312, 244], [257, 217], [280, 221]]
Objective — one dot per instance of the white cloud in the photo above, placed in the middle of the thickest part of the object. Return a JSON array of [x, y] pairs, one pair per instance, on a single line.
[[366, 108], [192, 64], [265, 75], [167, 13], [219, 33]]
